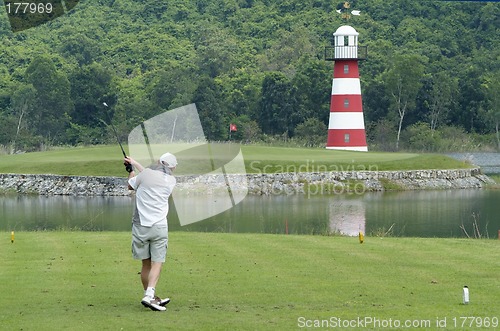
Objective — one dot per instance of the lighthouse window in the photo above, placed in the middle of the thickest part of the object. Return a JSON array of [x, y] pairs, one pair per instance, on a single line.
[[346, 103], [347, 137], [346, 68]]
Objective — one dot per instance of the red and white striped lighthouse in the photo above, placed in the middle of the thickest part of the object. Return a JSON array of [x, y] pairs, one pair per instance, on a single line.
[[346, 127]]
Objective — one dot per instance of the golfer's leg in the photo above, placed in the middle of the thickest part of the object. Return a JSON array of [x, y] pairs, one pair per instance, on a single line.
[[158, 251], [154, 274], [146, 268]]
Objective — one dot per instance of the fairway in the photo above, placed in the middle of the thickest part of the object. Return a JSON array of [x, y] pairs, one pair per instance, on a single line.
[[217, 281], [107, 161]]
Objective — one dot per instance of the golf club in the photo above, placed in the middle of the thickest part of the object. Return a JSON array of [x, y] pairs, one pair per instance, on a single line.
[[128, 166], [146, 139], [114, 130]]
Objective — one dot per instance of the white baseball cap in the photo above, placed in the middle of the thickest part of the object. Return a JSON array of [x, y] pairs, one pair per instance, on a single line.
[[169, 160]]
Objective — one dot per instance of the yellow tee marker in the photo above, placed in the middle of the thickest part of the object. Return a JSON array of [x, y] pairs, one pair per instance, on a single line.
[[12, 237], [361, 237]]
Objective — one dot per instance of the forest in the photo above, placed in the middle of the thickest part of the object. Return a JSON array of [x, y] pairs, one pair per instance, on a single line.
[[431, 80]]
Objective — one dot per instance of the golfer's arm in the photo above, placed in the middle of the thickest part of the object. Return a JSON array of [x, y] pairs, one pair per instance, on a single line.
[[138, 166], [130, 175], [134, 163]]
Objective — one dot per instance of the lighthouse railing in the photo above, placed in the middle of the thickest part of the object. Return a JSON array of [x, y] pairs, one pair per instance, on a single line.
[[333, 53]]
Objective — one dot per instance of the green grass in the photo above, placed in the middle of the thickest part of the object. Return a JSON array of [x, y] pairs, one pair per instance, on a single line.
[[85, 161], [88, 281], [496, 179], [107, 161]]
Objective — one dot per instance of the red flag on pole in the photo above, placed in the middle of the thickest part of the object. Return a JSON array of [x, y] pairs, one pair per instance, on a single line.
[[232, 127]]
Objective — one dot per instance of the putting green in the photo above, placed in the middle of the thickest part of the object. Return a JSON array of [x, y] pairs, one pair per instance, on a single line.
[[319, 155]]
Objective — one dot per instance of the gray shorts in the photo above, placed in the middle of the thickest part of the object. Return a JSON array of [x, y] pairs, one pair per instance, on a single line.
[[150, 242]]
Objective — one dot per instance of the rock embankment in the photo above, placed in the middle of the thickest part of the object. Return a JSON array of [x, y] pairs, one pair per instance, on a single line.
[[63, 185], [263, 184], [362, 181]]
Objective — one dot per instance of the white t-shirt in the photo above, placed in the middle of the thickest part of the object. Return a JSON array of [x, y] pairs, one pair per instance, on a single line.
[[153, 188]]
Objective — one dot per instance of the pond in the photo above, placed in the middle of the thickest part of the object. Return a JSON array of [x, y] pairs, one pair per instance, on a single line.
[[489, 162], [455, 213]]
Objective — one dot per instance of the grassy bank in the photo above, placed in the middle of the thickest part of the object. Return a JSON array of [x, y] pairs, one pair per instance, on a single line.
[[88, 281], [106, 161]]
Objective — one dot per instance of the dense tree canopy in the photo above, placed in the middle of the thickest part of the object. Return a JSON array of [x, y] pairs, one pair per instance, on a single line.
[[432, 65]]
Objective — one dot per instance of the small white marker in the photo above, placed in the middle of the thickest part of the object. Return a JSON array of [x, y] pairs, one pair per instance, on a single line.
[[466, 295]]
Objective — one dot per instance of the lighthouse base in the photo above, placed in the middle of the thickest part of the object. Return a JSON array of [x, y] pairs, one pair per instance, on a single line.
[[350, 148]]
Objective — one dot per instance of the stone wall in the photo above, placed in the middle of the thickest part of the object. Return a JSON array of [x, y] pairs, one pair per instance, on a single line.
[[63, 185], [262, 184], [361, 181]]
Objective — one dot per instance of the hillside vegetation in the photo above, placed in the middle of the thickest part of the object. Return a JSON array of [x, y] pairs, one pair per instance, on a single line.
[[256, 63]]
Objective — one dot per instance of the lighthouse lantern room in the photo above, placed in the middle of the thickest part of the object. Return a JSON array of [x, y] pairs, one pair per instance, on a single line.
[[346, 127]]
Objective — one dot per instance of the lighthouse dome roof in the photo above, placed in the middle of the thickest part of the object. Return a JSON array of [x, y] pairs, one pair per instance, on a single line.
[[346, 30]]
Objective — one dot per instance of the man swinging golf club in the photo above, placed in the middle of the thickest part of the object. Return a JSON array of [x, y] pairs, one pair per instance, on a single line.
[[153, 186]]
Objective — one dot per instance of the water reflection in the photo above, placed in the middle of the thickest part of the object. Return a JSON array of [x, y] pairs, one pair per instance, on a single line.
[[347, 217], [410, 213], [64, 212], [433, 213]]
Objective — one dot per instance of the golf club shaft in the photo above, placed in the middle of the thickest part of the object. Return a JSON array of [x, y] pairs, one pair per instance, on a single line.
[[118, 139], [114, 130], [146, 139]]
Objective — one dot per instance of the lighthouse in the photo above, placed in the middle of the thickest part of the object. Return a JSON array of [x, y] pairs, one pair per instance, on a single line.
[[346, 126]]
